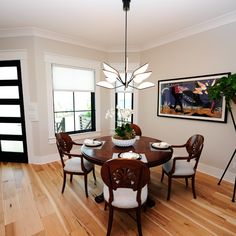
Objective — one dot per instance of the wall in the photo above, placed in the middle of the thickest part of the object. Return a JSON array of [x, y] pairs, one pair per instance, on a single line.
[[39, 148], [205, 53]]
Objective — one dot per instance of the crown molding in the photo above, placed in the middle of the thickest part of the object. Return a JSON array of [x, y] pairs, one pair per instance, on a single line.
[[79, 41], [47, 34], [195, 29]]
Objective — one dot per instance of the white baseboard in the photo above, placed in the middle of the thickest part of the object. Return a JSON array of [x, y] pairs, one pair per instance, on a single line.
[[216, 172], [213, 171], [44, 159]]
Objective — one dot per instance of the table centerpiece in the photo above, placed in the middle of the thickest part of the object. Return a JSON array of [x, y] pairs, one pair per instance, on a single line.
[[124, 134]]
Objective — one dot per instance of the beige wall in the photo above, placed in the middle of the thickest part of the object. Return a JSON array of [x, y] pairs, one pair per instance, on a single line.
[[205, 53], [38, 146]]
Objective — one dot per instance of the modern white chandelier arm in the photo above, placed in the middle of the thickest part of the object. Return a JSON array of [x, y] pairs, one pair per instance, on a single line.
[[137, 77]]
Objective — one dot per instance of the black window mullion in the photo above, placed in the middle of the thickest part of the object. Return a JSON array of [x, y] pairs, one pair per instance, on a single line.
[[74, 109], [10, 120], [9, 82], [10, 101], [93, 113], [11, 137], [132, 106]]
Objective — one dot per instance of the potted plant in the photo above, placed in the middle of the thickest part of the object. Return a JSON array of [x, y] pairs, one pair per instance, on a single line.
[[225, 86], [124, 134]]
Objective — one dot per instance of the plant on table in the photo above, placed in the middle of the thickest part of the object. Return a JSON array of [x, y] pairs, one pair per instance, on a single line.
[[123, 131]]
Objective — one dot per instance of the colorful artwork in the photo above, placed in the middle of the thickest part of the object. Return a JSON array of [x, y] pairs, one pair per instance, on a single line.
[[188, 98]]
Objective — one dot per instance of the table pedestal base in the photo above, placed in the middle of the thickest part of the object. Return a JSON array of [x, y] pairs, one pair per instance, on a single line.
[[150, 203], [99, 198]]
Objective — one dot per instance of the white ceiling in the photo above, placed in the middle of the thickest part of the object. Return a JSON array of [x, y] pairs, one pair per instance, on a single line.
[[100, 23]]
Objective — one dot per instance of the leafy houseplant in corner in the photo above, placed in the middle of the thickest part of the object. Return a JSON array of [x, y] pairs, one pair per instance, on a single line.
[[225, 86], [124, 135]]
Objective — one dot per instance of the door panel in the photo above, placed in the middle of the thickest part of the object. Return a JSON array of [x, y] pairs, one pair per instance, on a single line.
[[11, 128], [13, 147]]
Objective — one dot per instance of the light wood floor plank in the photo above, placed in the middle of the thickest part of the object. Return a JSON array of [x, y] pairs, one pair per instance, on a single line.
[[31, 204]]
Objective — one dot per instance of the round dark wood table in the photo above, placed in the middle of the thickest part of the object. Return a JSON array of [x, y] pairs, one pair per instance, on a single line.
[[99, 155]]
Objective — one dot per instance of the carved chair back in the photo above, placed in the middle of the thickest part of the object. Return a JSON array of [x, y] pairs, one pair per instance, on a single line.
[[194, 147], [125, 173], [136, 129], [64, 145]]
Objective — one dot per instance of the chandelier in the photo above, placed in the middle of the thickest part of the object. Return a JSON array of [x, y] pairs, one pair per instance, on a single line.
[[113, 77]]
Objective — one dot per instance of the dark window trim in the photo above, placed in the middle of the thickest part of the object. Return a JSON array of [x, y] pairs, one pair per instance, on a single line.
[[132, 107], [93, 120]]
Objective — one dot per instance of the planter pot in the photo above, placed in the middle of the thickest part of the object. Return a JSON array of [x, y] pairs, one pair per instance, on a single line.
[[123, 143]]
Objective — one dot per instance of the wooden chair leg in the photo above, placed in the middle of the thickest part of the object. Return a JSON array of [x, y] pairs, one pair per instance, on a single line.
[[162, 175], [71, 177], [94, 176], [86, 184], [64, 182], [186, 182], [105, 206], [138, 219], [145, 207], [193, 187], [110, 220], [169, 187]]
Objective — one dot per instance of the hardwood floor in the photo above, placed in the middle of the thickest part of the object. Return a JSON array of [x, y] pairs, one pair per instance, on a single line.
[[31, 203]]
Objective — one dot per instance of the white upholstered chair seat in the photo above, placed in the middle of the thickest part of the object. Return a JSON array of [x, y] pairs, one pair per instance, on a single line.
[[74, 165], [182, 167], [125, 197]]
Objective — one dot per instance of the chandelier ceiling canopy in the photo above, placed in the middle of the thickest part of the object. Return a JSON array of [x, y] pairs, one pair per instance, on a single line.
[[138, 76]]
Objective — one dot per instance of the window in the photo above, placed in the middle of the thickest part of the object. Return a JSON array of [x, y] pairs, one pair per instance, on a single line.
[[123, 99], [74, 99]]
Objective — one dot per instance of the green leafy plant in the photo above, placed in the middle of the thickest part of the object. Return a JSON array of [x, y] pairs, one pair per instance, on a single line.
[[225, 86], [124, 132]]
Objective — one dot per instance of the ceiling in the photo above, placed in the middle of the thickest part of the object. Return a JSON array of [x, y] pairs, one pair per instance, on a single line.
[[100, 23]]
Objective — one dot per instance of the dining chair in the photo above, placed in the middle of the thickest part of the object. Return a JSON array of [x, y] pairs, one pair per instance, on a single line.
[[184, 166], [72, 163], [125, 187], [136, 129]]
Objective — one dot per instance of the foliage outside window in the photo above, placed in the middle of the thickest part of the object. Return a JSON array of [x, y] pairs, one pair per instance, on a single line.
[[74, 99]]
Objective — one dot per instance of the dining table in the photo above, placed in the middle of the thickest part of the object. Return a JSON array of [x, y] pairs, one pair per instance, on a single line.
[[104, 149]]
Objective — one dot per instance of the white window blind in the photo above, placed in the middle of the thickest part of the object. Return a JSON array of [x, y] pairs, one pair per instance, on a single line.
[[73, 79]]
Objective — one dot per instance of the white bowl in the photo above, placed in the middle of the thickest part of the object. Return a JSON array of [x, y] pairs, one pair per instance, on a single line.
[[123, 143]]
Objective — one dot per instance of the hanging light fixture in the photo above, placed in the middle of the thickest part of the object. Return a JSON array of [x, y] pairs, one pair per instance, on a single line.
[[137, 77]]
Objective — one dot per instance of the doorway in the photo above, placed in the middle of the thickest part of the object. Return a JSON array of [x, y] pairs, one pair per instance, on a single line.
[[13, 145]]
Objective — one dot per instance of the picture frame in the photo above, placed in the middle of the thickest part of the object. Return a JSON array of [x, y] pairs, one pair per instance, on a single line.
[[187, 98]]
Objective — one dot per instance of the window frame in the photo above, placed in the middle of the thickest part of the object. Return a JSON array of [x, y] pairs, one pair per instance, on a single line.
[[51, 58], [92, 93], [116, 110], [92, 110]]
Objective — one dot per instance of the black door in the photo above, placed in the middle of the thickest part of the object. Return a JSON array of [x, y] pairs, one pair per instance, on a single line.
[[13, 146]]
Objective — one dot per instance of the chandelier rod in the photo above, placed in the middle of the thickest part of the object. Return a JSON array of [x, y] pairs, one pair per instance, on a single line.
[[126, 80], [138, 75]]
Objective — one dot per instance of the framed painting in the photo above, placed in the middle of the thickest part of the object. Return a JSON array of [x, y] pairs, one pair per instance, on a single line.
[[187, 98]]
